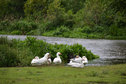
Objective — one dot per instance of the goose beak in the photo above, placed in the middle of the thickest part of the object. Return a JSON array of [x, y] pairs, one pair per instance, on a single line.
[[60, 53]]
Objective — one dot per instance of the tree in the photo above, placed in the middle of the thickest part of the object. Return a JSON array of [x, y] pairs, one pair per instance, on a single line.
[[73, 5], [94, 13], [55, 13], [11, 8], [36, 8], [120, 12]]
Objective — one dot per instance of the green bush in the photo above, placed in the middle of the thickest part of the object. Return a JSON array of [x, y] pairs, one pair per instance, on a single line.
[[113, 30], [10, 8], [61, 30], [44, 26], [33, 32], [4, 25], [36, 8], [23, 26], [98, 29], [20, 53], [5, 41], [8, 56], [86, 29], [14, 53], [16, 32], [8, 53], [39, 48]]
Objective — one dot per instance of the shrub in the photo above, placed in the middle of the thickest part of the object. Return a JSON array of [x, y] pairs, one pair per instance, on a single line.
[[98, 29], [4, 25], [5, 41], [95, 35], [14, 53], [17, 32], [8, 52], [64, 29], [36, 8], [20, 53], [23, 26], [8, 56], [113, 30], [11, 8], [33, 32], [86, 29], [44, 26], [24, 56], [78, 29], [39, 48], [61, 30]]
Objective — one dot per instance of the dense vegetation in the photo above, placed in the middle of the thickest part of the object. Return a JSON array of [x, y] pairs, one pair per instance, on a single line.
[[114, 74], [65, 18], [20, 53]]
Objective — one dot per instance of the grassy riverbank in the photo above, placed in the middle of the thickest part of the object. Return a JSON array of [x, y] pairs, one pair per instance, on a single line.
[[79, 34], [112, 74]]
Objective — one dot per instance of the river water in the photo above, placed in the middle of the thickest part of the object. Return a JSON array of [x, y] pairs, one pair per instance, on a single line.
[[110, 51]]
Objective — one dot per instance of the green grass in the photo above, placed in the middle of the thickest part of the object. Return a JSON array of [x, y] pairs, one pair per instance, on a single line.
[[78, 34], [112, 74]]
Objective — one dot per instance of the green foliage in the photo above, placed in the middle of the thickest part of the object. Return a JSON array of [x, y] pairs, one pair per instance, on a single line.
[[4, 25], [98, 29], [44, 26], [13, 53], [69, 19], [36, 8], [89, 30], [61, 30], [86, 29], [11, 8], [36, 17], [23, 26], [73, 5], [24, 55], [5, 41], [55, 13], [16, 32], [119, 6], [39, 48], [8, 54], [113, 30], [20, 53]]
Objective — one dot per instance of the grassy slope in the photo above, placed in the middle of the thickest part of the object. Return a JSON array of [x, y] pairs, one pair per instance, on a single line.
[[74, 34], [64, 75]]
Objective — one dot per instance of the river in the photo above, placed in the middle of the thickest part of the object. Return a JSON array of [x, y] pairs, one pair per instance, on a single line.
[[110, 51]]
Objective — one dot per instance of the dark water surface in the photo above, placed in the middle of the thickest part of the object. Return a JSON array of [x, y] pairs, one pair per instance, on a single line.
[[110, 51]]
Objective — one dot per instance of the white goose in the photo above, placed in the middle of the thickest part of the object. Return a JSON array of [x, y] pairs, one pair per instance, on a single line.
[[85, 60], [35, 61], [49, 61], [76, 62], [41, 61], [57, 60]]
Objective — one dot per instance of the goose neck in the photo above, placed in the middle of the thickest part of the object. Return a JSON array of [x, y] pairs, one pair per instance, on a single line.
[[58, 56]]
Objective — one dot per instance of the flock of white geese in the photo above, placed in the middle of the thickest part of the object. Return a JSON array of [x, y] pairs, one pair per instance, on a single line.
[[74, 62]]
